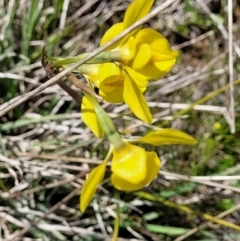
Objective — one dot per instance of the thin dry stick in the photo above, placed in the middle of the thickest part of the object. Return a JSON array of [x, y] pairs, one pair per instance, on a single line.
[[227, 36], [82, 86], [208, 183], [54, 157], [193, 41], [50, 74], [71, 92], [56, 78], [7, 17], [64, 14], [230, 64]]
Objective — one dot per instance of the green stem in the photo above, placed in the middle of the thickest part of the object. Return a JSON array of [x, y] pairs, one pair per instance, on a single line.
[[206, 98], [102, 57], [2, 186], [106, 123], [24, 122], [117, 220]]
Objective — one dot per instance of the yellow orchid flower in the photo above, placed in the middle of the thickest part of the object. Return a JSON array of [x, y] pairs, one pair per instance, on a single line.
[[123, 71], [116, 85], [154, 57], [132, 167], [144, 50], [108, 78], [142, 55]]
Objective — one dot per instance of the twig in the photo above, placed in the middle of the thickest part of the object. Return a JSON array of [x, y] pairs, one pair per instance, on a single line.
[[204, 182], [75, 81], [8, 75], [227, 36], [7, 18], [71, 92], [206, 98], [64, 158], [193, 41], [230, 64], [63, 15]]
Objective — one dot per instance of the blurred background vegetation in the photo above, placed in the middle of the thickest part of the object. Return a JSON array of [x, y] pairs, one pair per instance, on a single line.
[[45, 148]]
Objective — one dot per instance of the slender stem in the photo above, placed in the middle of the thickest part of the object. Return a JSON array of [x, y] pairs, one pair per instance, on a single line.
[[117, 220], [102, 57], [206, 98], [106, 123], [230, 64], [109, 155], [50, 73]]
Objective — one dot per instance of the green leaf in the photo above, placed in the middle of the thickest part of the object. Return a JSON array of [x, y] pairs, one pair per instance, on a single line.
[[91, 184], [151, 216], [172, 231], [167, 137]]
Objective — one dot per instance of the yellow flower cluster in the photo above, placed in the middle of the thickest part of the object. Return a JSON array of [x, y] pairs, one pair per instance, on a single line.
[[132, 167], [122, 74], [141, 56]]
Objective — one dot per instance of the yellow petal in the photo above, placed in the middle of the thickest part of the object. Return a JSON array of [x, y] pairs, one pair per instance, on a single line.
[[153, 165], [111, 33], [167, 137], [136, 10], [165, 66], [129, 163], [126, 52], [90, 71], [123, 185], [156, 70], [162, 57], [91, 184], [114, 96], [156, 40], [142, 57], [110, 77], [138, 78], [131, 45], [89, 117], [135, 100]]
